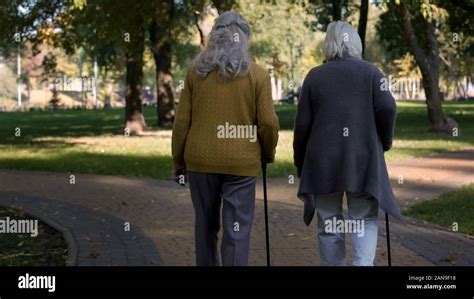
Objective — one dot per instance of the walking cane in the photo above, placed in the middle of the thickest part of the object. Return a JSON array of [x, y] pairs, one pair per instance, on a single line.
[[265, 204], [389, 254]]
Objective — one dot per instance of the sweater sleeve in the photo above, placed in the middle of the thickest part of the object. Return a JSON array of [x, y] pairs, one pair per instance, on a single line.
[[385, 109], [303, 124], [182, 123], [267, 120]]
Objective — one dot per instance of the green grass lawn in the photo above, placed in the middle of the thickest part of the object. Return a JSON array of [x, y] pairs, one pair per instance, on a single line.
[[93, 141], [452, 207], [46, 249]]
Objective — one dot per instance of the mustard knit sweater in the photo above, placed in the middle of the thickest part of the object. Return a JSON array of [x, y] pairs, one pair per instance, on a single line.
[[225, 127]]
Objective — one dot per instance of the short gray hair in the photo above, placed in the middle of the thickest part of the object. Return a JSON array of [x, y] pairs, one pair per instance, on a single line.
[[227, 49], [341, 41]]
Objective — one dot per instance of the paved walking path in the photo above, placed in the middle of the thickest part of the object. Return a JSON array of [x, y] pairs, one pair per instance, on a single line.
[[162, 211]]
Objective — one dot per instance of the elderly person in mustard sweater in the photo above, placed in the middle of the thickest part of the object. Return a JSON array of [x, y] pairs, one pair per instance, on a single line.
[[225, 127]]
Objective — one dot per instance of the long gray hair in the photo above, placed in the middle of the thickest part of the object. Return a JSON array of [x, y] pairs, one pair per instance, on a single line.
[[341, 41], [227, 48]]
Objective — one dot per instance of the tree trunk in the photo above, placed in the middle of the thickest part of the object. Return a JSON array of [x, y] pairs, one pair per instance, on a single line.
[[134, 119], [362, 28], [429, 66], [336, 10], [433, 99], [203, 20], [223, 5], [160, 37]]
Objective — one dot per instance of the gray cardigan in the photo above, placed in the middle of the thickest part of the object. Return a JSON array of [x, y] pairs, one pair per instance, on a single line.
[[344, 123]]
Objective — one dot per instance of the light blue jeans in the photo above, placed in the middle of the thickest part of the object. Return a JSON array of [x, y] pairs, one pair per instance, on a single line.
[[332, 228]]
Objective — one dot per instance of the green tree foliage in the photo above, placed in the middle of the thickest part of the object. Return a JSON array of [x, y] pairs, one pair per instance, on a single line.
[[327, 11], [281, 34]]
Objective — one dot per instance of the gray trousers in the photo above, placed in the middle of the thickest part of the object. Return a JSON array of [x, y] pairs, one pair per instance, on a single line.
[[237, 193], [363, 212]]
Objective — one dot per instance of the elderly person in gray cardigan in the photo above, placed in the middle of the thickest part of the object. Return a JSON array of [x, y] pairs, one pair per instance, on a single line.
[[344, 124]]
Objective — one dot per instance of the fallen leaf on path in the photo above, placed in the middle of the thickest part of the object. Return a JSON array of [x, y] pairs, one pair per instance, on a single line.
[[94, 254], [452, 258]]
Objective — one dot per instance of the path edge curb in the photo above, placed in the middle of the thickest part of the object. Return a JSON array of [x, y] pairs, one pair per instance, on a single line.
[[72, 253]]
